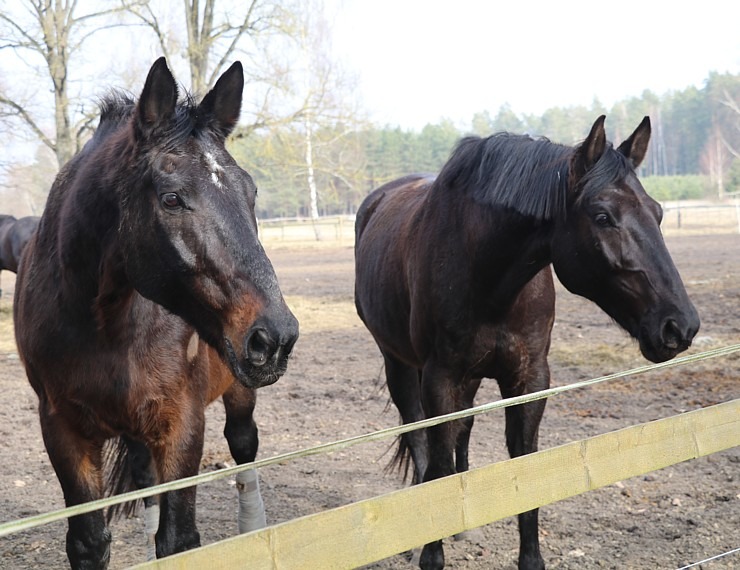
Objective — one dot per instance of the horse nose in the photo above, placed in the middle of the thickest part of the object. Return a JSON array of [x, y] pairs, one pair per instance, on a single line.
[[676, 336], [264, 345], [671, 334], [260, 347]]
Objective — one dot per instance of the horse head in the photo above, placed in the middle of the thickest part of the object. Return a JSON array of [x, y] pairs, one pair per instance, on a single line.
[[188, 232], [609, 247]]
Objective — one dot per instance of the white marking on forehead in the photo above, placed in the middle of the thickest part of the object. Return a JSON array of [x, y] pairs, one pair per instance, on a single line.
[[216, 169]]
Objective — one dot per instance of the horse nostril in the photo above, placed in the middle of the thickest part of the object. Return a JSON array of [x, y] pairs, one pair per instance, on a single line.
[[288, 346], [260, 347], [671, 334]]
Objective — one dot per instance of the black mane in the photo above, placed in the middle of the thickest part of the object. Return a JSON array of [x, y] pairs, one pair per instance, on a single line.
[[530, 176], [515, 171]]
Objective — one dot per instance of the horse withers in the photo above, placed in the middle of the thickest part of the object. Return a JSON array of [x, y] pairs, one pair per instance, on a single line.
[[14, 235], [453, 281], [144, 295]]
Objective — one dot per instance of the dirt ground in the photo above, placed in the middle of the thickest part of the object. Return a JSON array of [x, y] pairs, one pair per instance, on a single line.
[[333, 389]]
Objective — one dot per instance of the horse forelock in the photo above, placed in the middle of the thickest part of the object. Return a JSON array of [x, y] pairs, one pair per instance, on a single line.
[[118, 108], [528, 175], [611, 168]]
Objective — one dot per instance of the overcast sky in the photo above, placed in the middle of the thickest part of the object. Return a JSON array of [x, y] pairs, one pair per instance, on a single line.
[[422, 60]]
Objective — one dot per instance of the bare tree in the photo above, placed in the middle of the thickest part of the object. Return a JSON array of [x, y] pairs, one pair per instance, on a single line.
[[46, 35], [715, 160], [215, 32], [209, 34], [324, 89], [730, 102]]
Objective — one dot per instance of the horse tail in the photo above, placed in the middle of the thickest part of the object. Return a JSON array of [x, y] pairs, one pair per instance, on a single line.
[[401, 461], [119, 477]]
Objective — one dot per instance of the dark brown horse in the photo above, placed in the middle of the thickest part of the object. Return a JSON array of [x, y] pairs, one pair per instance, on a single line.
[[144, 295], [453, 282], [14, 235]]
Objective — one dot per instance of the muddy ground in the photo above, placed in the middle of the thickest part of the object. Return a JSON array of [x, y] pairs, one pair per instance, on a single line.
[[667, 519]]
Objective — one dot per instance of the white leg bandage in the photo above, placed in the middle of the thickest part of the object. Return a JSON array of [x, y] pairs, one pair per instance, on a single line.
[[151, 525], [251, 514]]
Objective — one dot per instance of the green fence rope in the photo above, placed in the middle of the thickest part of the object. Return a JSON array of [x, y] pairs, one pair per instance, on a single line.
[[53, 516]]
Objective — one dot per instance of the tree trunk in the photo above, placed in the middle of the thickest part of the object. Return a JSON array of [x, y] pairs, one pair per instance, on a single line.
[[312, 191]]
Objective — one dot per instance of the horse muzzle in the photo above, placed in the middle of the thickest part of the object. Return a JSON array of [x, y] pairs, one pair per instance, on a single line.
[[663, 338], [263, 358]]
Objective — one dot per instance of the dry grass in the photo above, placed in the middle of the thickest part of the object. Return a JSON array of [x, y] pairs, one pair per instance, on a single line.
[[604, 356], [7, 337], [317, 314]]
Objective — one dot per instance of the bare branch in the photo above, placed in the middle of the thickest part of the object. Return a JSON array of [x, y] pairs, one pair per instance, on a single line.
[[21, 112]]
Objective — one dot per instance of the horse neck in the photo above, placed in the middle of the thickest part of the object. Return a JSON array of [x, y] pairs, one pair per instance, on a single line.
[[82, 221], [503, 250]]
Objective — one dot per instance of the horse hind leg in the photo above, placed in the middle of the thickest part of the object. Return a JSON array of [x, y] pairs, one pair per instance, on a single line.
[[243, 438], [78, 463], [144, 475], [404, 385]]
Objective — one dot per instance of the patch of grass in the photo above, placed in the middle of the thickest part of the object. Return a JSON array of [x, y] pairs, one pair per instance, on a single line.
[[317, 314], [606, 357]]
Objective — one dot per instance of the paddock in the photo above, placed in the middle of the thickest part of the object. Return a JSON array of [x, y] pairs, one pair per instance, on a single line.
[[667, 518]]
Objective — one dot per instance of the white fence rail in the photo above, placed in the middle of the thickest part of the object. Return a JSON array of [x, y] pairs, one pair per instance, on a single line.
[[679, 219]]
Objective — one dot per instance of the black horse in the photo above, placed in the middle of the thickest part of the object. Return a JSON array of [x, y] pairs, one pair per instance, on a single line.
[[143, 296], [14, 235], [453, 282]]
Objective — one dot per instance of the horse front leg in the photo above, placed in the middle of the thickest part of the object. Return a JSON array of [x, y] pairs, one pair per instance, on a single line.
[[522, 428], [177, 457], [440, 396], [463, 438], [78, 465], [243, 438]]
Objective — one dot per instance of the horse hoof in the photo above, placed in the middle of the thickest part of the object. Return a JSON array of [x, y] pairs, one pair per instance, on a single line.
[[432, 557], [531, 563]]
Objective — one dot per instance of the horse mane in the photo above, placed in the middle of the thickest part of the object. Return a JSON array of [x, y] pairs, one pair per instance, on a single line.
[[519, 172], [532, 176]]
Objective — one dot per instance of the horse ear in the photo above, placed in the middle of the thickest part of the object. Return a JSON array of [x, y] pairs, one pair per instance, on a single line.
[[222, 105], [590, 150], [636, 146], [158, 98]]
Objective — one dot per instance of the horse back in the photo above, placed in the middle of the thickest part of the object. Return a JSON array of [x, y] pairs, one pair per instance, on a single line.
[[6, 252]]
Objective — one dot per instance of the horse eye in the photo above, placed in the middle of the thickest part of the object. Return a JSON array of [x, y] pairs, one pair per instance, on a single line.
[[602, 220], [171, 201]]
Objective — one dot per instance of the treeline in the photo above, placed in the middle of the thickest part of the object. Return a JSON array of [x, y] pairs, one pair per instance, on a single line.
[[696, 134]]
